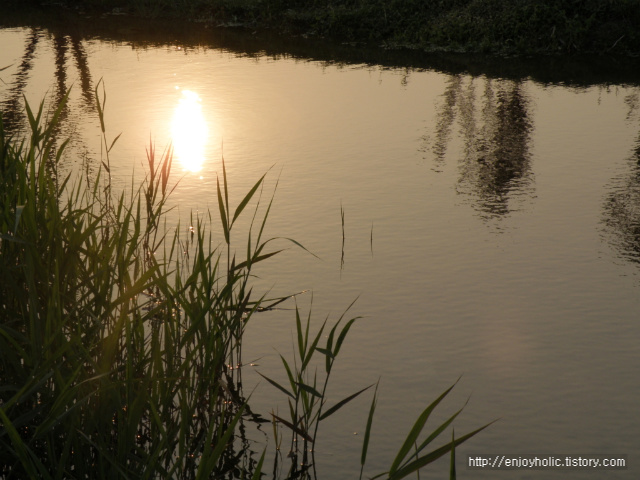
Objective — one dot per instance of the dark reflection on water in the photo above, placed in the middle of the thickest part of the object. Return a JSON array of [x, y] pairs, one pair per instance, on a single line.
[[12, 107], [496, 131], [63, 46], [621, 210], [81, 59], [142, 33], [485, 99], [446, 118], [60, 54]]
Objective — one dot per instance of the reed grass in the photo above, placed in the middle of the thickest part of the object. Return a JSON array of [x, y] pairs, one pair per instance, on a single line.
[[121, 341], [118, 341]]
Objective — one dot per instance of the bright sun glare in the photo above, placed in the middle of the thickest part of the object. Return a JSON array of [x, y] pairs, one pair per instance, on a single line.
[[189, 131]]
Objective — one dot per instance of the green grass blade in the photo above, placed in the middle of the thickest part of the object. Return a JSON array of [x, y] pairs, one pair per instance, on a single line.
[[301, 341], [254, 260], [325, 352], [226, 186], [342, 336], [25, 456], [211, 459], [433, 456], [309, 389], [329, 348], [106, 456], [99, 105], [342, 403], [367, 432], [298, 430], [416, 430], [452, 464], [223, 215], [439, 430], [309, 353], [113, 142], [246, 199], [56, 115], [292, 382], [277, 385], [257, 473], [299, 245], [277, 301]]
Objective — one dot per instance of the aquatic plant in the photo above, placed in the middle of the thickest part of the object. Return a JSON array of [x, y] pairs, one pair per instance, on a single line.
[[117, 340], [307, 398], [121, 341]]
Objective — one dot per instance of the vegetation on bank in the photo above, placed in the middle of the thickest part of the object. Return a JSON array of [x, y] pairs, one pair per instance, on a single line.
[[121, 340], [488, 26]]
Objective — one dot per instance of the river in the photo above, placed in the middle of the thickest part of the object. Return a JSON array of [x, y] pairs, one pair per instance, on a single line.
[[490, 206]]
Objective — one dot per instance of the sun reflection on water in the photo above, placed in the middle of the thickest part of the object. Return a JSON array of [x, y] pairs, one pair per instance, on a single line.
[[189, 131]]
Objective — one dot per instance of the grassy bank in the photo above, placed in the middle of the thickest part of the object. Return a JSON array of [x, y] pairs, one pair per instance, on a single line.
[[121, 339], [489, 26]]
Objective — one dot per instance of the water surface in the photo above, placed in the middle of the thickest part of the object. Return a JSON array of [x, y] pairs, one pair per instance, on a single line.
[[491, 219]]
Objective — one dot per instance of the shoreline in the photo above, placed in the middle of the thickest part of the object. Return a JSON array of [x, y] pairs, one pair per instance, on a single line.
[[492, 27]]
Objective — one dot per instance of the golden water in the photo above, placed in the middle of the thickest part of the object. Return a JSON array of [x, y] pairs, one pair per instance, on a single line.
[[491, 226]]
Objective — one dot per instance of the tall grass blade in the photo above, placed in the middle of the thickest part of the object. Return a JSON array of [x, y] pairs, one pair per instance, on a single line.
[[298, 430], [343, 402], [298, 244], [301, 341], [309, 389], [257, 473], [452, 463], [277, 385], [439, 430], [246, 199], [433, 456], [113, 142], [223, 214], [26, 457], [367, 431], [343, 335], [309, 353], [416, 430], [211, 458], [106, 456]]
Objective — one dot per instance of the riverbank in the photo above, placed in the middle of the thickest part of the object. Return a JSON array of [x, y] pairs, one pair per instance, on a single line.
[[473, 26]]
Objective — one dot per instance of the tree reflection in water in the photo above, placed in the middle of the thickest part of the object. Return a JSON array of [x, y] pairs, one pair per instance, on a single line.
[[63, 47], [12, 107], [621, 209], [496, 132]]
